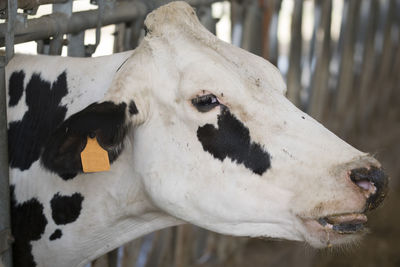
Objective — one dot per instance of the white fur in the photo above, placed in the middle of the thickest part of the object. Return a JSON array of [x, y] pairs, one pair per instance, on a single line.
[[164, 177]]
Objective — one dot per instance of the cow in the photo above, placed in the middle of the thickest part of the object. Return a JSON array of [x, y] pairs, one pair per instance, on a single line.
[[184, 129]]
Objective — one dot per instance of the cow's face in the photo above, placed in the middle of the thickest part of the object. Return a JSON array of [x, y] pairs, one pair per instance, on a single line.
[[215, 142], [221, 147]]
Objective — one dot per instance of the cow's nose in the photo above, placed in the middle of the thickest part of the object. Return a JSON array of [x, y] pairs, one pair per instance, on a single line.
[[374, 182]]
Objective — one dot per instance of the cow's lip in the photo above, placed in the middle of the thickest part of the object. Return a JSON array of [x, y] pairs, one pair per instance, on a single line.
[[335, 229], [344, 223]]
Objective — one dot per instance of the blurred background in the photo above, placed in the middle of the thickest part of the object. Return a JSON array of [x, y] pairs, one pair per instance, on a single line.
[[341, 62]]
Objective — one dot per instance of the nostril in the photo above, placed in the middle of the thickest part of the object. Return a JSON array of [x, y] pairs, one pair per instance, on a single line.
[[362, 176], [364, 184], [373, 181]]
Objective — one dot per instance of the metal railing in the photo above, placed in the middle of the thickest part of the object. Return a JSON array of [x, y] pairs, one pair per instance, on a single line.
[[5, 223]]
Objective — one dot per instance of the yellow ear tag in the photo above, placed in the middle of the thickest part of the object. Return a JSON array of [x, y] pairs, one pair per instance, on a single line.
[[94, 158]]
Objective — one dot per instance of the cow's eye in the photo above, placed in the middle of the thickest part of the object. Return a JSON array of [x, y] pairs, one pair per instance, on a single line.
[[205, 103]]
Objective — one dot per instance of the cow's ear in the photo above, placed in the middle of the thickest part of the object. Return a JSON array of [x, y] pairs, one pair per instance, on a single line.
[[106, 121]]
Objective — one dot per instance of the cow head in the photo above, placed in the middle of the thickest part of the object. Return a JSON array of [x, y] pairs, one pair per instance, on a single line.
[[208, 136]]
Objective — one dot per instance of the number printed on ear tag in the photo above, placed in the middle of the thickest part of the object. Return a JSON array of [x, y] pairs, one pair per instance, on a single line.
[[94, 158]]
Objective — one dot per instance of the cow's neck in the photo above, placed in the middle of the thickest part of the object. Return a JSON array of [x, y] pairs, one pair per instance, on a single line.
[[114, 210], [124, 231], [71, 222], [127, 213]]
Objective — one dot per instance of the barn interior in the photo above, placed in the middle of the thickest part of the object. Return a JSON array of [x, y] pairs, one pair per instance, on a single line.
[[340, 60]]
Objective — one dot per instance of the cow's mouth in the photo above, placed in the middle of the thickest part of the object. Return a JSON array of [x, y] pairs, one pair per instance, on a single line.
[[335, 229], [344, 223]]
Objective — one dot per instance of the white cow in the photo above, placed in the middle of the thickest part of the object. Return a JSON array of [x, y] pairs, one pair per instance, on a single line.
[[196, 130]]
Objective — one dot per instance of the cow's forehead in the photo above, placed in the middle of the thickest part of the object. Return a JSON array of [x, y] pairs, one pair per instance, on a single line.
[[207, 74], [190, 46]]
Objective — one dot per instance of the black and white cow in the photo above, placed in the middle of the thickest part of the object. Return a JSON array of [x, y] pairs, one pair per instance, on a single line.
[[196, 131]]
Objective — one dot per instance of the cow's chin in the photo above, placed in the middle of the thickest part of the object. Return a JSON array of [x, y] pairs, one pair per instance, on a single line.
[[338, 229]]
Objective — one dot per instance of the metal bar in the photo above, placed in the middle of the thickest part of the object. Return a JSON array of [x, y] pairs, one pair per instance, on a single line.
[[5, 238], [5, 224], [337, 55], [9, 29], [91, 48], [368, 67], [351, 119], [30, 4], [136, 32], [56, 44], [273, 53], [252, 26], [157, 3], [388, 57], [395, 98], [294, 72], [76, 45], [161, 253], [100, 10], [153, 4], [53, 24], [237, 11], [119, 36], [205, 16], [113, 258], [310, 56], [394, 89], [268, 8], [183, 248], [319, 88], [5, 254], [201, 2], [127, 36], [43, 46], [131, 252], [346, 78]]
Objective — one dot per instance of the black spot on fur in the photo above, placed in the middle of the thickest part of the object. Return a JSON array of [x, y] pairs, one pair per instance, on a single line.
[[16, 87], [104, 120], [27, 137], [66, 209], [232, 140], [56, 235], [132, 108], [28, 224], [68, 176]]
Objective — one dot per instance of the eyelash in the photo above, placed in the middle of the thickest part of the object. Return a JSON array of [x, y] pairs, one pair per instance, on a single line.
[[205, 103]]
